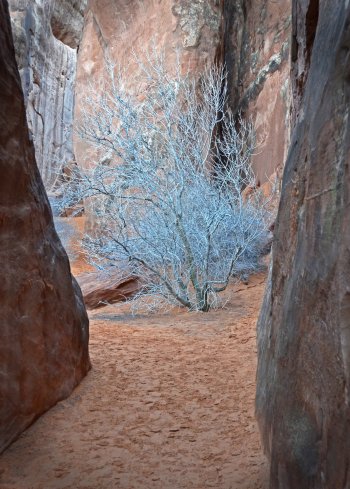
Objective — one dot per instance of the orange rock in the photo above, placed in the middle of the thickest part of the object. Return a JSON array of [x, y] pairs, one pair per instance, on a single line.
[[100, 289]]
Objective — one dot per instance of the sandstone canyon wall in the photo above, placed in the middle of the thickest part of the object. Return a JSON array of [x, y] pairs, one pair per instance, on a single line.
[[303, 393], [47, 34], [256, 51], [43, 323], [118, 30], [251, 37]]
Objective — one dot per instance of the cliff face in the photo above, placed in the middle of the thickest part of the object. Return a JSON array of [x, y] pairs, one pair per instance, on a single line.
[[118, 31], [43, 323], [47, 34], [303, 393], [252, 38], [256, 51]]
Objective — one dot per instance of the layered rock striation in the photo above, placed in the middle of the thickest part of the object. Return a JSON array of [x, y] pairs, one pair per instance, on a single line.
[[303, 392], [43, 322], [47, 34]]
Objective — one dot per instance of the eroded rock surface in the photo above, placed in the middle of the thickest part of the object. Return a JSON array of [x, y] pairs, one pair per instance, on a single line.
[[43, 322], [303, 393], [256, 50], [47, 34]]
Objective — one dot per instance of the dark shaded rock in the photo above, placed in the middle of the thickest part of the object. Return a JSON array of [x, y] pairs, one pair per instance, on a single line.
[[305, 20], [303, 392], [43, 322], [256, 48]]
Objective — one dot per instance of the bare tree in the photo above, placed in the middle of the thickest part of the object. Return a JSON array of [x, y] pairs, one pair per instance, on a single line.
[[166, 192]]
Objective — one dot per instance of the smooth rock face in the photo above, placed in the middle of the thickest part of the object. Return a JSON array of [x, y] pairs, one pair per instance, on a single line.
[[47, 34], [303, 393], [43, 322], [119, 29], [256, 51]]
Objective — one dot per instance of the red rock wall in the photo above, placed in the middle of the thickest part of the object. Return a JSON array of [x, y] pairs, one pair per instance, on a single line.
[[251, 37], [117, 29], [303, 393], [256, 50], [43, 323]]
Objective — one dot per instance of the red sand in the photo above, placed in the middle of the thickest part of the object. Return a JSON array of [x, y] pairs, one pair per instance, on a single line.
[[169, 404]]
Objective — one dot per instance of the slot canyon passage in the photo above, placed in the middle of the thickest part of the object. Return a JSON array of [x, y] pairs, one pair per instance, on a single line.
[[252, 395]]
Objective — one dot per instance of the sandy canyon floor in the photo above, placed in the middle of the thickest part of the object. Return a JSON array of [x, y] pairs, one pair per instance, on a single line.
[[168, 404]]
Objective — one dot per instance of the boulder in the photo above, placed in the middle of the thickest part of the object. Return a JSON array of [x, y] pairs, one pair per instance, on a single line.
[[303, 379], [44, 328], [100, 289]]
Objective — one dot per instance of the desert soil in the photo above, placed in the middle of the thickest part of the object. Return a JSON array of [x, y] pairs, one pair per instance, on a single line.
[[168, 404]]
